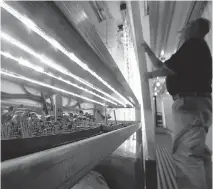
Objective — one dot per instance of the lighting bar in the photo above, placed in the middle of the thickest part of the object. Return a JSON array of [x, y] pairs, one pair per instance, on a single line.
[[32, 26], [47, 61], [26, 63], [13, 75]]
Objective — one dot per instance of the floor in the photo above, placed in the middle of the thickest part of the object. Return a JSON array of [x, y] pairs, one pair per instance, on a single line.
[[120, 168], [127, 149]]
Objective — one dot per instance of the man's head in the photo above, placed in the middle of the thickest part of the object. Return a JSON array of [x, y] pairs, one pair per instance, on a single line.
[[196, 29]]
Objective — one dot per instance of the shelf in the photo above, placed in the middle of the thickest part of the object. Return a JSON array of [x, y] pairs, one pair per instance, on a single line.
[[51, 20], [90, 35], [14, 148], [63, 166]]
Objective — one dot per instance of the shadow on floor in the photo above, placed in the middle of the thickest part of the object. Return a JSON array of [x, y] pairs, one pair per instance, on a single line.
[[118, 171]]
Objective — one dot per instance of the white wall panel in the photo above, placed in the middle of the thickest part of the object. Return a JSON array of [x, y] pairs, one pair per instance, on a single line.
[[13, 88], [208, 14]]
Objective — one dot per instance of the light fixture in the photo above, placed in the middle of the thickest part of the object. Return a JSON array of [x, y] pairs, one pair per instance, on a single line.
[[47, 61], [100, 13], [146, 8], [26, 63], [29, 23], [16, 76], [123, 10], [162, 53], [158, 84]]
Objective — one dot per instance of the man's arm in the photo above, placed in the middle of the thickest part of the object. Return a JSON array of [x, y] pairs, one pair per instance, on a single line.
[[162, 72], [155, 61]]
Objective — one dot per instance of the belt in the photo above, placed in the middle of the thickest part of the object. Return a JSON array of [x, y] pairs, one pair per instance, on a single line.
[[194, 94]]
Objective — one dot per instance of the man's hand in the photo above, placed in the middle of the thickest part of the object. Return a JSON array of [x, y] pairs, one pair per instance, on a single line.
[[155, 61], [145, 46], [162, 72], [147, 75]]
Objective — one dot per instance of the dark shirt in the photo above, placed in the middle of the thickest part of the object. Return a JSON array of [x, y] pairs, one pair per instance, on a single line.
[[192, 65]]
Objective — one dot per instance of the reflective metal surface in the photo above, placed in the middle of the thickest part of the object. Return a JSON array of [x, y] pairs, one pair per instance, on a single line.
[[52, 21], [121, 168], [63, 166], [73, 10]]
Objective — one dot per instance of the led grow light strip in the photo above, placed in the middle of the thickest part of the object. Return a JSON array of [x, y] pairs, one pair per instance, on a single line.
[[26, 63], [47, 61], [13, 75], [30, 24]]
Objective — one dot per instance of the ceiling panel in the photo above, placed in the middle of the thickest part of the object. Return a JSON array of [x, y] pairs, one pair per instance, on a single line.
[[166, 19], [179, 19]]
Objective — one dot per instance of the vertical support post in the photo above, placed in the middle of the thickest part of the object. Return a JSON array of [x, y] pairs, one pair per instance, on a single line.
[[139, 165], [115, 117], [105, 114], [146, 108], [94, 111], [58, 107], [163, 112], [155, 110]]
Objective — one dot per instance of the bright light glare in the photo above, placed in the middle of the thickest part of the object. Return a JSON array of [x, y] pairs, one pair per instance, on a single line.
[[47, 61], [26, 63], [162, 53], [13, 75], [158, 84], [27, 49], [57, 45]]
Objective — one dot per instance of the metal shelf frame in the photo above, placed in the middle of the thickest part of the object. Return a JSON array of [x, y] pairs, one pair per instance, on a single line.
[[76, 36], [63, 166]]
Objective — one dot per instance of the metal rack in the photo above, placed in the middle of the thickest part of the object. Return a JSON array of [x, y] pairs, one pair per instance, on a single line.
[[63, 166], [81, 51]]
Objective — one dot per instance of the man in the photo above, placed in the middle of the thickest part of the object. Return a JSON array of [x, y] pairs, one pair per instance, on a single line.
[[189, 76]]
